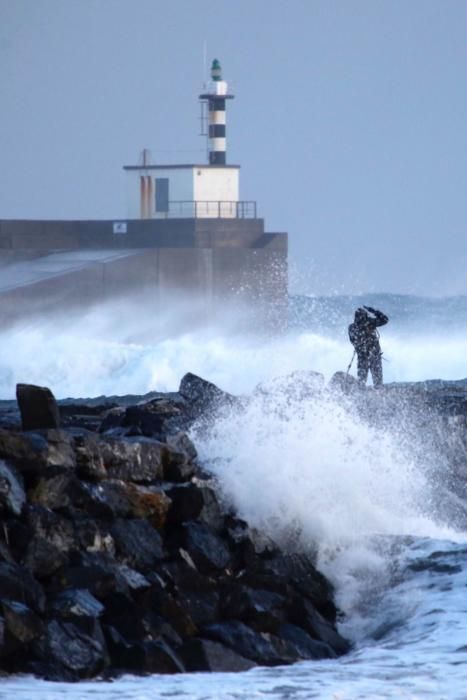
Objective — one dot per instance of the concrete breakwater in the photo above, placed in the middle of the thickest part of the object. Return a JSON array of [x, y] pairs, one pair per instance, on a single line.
[[117, 554]]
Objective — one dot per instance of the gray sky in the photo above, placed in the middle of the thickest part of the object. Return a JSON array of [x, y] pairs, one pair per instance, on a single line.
[[350, 122]]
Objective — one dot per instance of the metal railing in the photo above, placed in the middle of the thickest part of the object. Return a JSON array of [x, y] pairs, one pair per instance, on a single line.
[[186, 209]]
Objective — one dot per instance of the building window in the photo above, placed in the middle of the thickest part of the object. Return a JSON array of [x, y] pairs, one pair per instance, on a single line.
[[162, 194]]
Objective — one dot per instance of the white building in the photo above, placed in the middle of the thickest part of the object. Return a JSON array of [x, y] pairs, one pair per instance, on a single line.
[[181, 191], [192, 191]]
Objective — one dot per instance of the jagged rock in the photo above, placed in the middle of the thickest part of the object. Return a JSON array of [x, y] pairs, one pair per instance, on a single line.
[[12, 495], [60, 449], [256, 646], [17, 583], [27, 451], [64, 644], [106, 499], [76, 603], [186, 502], [93, 536], [137, 543], [211, 513], [43, 557], [89, 459], [152, 417], [20, 621], [263, 610], [207, 550], [57, 492], [51, 526], [303, 614], [206, 655], [131, 578], [307, 647], [140, 460], [181, 443], [97, 576], [38, 407], [150, 503], [201, 394]]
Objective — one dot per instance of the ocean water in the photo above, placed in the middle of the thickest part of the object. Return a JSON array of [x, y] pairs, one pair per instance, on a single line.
[[311, 474]]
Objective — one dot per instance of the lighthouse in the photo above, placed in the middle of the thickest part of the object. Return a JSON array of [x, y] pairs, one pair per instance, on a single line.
[[216, 99], [195, 190]]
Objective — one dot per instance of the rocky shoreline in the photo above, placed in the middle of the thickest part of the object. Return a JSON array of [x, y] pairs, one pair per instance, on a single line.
[[116, 554]]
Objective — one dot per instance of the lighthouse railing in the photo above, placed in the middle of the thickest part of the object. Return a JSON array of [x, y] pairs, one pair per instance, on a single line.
[[216, 209]]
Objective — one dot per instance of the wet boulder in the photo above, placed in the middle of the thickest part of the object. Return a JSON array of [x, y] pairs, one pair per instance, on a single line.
[[186, 502], [303, 614], [206, 655], [12, 495], [153, 418], [307, 647], [207, 549], [140, 460], [17, 583], [263, 610], [38, 407], [137, 543], [65, 645], [75, 603], [20, 621], [203, 396], [256, 646]]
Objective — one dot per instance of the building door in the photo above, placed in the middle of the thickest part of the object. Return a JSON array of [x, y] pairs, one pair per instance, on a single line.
[[162, 194]]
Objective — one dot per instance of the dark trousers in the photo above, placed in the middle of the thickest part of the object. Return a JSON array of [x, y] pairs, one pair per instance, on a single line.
[[370, 360]]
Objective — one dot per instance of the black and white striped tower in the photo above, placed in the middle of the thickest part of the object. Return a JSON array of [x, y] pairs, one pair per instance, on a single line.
[[216, 98]]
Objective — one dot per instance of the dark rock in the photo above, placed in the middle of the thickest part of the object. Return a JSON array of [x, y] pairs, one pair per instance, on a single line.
[[44, 558], [92, 535], [303, 614], [256, 646], [207, 549], [20, 621], [307, 647], [206, 655], [76, 603], [105, 499], [57, 492], [137, 543], [139, 460], [186, 502], [64, 644], [38, 407], [181, 443], [149, 502], [211, 513], [156, 656], [263, 610], [153, 417], [12, 495], [131, 579], [94, 571], [28, 451], [89, 458], [17, 583], [203, 395]]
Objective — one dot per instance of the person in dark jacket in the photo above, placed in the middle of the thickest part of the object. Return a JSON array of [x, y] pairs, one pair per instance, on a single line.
[[365, 339]]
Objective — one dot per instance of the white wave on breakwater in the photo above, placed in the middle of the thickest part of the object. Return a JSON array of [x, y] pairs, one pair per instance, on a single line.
[[118, 349], [304, 471]]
